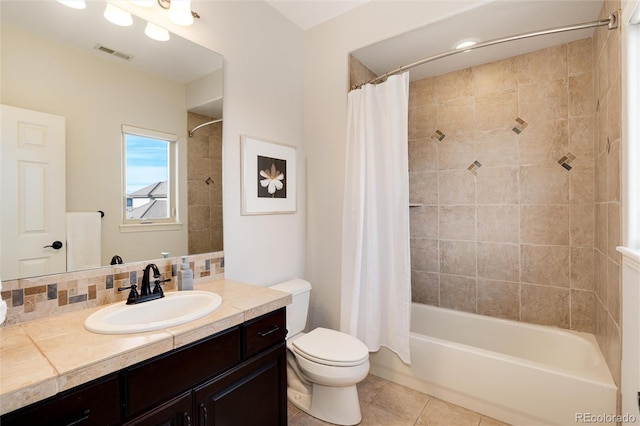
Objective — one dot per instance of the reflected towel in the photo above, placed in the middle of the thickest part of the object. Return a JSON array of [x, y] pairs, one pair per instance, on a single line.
[[83, 240]]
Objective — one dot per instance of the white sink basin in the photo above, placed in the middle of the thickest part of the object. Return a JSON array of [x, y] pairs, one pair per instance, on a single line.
[[175, 308]]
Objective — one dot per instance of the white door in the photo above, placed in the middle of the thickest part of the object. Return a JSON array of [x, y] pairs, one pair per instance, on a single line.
[[32, 219]]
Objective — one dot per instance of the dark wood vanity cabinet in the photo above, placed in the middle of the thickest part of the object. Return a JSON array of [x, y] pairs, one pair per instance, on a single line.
[[175, 412], [94, 403], [157, 380], [235, 377], [250, 394]]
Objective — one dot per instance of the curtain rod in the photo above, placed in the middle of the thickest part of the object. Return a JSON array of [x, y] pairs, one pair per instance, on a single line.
[[192, 131], [611, 22]]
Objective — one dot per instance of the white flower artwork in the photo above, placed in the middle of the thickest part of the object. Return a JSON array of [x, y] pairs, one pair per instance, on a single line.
[[272, 179], [268, 177]]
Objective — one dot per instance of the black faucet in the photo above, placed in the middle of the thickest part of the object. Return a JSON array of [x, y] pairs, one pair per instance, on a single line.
[[146, 285], [145, 291]]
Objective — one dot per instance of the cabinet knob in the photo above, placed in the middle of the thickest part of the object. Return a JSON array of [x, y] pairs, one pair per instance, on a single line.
[[187, 418]]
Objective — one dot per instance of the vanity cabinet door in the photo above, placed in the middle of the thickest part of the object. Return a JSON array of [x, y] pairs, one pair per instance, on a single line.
[[155, 381], [95, 403], [252, 394], [176, 412]]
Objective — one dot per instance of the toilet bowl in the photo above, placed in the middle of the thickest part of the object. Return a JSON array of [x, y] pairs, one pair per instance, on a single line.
[[323, 365]]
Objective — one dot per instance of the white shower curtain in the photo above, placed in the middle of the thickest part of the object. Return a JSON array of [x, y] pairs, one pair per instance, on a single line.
[[376, 268]]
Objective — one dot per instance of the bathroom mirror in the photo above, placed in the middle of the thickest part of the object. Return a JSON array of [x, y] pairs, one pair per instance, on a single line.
[[99, 77]]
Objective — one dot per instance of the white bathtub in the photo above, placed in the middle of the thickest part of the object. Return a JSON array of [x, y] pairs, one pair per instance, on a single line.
[[519, 373]]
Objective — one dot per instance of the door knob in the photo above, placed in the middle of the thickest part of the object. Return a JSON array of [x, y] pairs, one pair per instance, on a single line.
[[56, 245]]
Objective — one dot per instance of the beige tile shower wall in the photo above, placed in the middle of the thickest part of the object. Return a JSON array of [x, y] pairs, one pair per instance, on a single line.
[[606, 48], [204, 177], [502, 164]]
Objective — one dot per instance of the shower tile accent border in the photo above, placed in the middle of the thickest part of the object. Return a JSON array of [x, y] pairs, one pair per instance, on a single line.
[[49, 295], [439, 136], [473, 167], [518, 128], [566, 160]]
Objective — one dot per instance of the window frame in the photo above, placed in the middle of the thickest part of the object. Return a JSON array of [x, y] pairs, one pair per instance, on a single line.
[[154, 224]]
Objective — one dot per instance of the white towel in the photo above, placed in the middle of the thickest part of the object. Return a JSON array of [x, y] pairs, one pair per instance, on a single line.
[[83, 240]]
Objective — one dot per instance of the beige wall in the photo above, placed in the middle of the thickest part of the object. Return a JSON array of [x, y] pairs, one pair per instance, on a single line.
[[96, 96], [503, 228]]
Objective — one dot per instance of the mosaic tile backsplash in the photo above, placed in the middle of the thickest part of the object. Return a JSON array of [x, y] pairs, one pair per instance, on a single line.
[[32, 298]]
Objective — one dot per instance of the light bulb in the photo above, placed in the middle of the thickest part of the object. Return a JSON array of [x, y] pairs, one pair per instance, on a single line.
[[180, 12], [155, 32], [75, 4], [466, 42], [117, 16]]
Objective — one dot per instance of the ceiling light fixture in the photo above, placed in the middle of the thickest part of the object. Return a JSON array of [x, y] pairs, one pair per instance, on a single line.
[[467, 42], [155, 32], [117, 16], [179, 11], [75, 4]]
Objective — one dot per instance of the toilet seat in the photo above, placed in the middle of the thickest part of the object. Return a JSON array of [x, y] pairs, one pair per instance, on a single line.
[[331, 347]]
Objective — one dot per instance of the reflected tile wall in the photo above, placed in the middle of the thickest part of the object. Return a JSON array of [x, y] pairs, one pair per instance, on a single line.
[[204, 185], [502, 161]]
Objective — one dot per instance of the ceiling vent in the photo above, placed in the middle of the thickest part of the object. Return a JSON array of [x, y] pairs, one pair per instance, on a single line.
[[113, 52]]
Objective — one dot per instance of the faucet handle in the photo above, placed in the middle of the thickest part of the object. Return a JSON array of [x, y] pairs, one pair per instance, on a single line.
[[157, 289], [133, 294]]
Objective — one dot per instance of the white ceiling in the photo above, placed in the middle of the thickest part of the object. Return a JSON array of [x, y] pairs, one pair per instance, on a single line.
[[309, 13]]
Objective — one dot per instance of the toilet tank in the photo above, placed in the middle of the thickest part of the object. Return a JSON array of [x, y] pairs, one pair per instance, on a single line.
[[299, 307]]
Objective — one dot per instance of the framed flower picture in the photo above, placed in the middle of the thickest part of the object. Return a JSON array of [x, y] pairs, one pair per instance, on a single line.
[[268, 177]]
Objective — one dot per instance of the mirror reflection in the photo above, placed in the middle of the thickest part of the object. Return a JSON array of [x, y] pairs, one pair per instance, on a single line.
[[101, 79]]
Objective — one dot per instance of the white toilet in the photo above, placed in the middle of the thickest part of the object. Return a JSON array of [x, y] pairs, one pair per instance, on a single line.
[[323, 366]]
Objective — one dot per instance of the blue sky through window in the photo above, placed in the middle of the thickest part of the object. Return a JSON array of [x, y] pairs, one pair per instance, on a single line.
[[147, 161]]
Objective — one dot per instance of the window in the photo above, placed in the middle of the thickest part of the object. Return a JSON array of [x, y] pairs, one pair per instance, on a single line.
[[149, 177]]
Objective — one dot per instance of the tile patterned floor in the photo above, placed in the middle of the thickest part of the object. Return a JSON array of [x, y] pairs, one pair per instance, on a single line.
[[385, 403]]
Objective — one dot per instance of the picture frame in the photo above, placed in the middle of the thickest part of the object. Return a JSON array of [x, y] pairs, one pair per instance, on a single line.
[[269, 174]]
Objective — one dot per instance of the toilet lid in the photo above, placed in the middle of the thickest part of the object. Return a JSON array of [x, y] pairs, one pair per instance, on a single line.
[[331, 347]]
